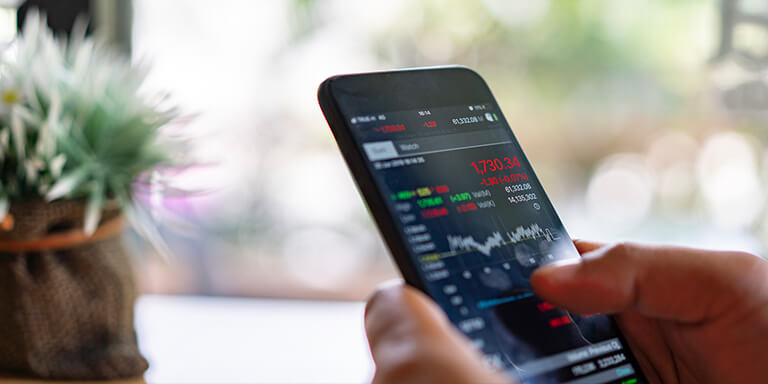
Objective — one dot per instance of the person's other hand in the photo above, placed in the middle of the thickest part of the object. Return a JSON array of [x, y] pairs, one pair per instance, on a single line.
[[412, 341], [690, 316]]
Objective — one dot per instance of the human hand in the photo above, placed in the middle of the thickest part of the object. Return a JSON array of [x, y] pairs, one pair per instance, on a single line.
[[690, 316], [412, 341]]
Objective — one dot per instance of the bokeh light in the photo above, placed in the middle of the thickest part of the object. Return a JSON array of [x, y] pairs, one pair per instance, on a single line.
[[728, 180], [620, 191]]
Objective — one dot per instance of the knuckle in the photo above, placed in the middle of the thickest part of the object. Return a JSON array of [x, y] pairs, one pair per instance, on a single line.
[[389, 319], [373, 301], [407, 364], [622, 251], [380, 300], [378, 317]]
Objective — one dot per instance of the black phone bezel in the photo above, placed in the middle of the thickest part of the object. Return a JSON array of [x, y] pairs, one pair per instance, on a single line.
[[428, 93], [469, 87]]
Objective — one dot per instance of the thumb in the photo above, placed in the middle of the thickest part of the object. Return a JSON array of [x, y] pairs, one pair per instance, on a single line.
[[412, 341], [675, 283]]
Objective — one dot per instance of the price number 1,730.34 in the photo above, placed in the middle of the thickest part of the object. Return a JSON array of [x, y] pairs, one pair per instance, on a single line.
[[484, 166]]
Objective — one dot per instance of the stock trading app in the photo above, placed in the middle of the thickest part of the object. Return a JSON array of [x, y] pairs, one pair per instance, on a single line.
[[477, 224]]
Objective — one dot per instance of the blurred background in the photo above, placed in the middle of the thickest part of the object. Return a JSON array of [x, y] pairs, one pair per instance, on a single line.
[[644, 120]]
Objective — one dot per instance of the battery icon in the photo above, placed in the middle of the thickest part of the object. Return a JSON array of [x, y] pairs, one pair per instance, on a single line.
[[491, 116]]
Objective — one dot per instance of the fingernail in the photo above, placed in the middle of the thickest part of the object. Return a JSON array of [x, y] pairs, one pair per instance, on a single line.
[[389, 284], [559, 273]]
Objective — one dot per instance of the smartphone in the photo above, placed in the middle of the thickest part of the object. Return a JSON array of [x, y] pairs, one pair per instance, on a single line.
[[467, 220]]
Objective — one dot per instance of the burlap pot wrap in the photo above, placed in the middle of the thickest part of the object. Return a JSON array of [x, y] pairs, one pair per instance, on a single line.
[[66, 312]]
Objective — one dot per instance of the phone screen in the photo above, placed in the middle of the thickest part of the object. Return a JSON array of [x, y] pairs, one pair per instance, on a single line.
[[476, 223]]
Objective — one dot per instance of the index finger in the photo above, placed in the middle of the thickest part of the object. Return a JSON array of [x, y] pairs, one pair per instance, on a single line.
[[584, 246], [683, 284]]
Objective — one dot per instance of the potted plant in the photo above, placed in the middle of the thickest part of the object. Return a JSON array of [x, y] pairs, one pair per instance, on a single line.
[[76, 137]]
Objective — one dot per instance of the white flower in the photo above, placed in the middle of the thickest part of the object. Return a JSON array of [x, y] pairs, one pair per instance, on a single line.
[[9, 97]]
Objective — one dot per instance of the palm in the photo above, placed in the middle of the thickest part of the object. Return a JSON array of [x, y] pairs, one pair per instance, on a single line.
[[719, 351]]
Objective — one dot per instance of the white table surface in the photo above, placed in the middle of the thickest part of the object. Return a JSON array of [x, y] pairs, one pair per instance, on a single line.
[[230, 340]]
